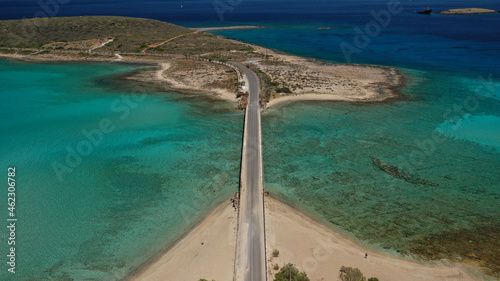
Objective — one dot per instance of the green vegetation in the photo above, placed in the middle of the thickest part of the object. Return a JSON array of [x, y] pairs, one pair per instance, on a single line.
[[6, 51], [266, 87], [202, 43], [276, 253], [353, 274], [216, 57], [131, 32], [285, 90], [290, 272], [131, 35]]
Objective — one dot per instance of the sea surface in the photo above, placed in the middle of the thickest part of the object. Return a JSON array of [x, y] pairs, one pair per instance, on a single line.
[[442, 137], [108, 174]]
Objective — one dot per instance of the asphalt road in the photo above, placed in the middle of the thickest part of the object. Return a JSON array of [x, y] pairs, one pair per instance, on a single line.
[[251, 248]]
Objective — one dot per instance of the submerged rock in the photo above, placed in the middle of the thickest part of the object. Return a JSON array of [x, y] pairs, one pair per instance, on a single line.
[[398, 173]]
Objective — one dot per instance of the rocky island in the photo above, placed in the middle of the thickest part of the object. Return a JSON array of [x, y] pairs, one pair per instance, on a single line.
[[467, 11]]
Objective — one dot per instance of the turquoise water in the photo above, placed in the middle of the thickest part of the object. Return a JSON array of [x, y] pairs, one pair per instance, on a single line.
[[173, 155], [444, 135], [319, 157], [159, 164], [480, 129]]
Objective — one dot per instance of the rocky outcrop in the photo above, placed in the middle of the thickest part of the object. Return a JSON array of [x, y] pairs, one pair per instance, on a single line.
[[398, 173]]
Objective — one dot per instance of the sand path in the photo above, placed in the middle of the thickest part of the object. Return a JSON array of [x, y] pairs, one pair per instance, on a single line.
[[166, 41]]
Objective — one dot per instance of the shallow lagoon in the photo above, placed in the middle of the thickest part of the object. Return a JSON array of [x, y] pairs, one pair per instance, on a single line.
[[164, 161]]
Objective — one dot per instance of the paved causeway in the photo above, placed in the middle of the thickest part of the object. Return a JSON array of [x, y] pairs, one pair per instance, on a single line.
[[250, 261]]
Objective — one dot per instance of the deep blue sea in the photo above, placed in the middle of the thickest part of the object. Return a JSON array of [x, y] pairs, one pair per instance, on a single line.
[[317, 155]]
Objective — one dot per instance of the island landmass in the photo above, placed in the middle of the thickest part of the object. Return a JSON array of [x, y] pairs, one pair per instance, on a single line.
[[195, 62], [467, 11]]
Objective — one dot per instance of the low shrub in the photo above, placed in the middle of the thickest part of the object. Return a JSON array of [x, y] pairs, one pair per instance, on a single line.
[[276, 253]]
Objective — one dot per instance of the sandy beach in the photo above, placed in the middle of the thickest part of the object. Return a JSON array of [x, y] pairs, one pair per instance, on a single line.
[[320, 251], [312, 246], [313, 97], [310, 79], [200, 80], [304, 78]]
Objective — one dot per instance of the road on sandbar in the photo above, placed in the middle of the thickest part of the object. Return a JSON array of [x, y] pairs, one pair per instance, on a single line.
[[250, 263]]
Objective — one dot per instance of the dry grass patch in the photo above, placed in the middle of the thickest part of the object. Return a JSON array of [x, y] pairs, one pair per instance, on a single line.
[[202, 75], [129, 34]]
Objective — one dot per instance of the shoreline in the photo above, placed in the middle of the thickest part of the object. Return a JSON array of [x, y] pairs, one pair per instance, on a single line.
[[352, 82], [235, 27], [310, 97], [322, 97], [318, 249], [159, 77], [316, 219], [326, 249], [194, 253], [153, 76], [341, 82]]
